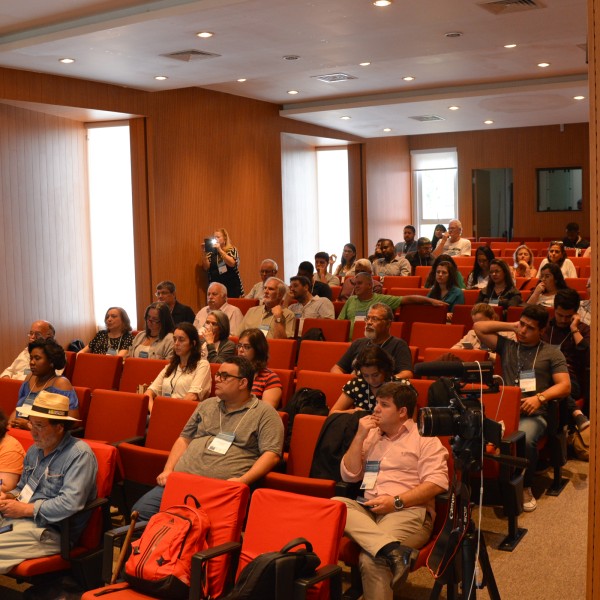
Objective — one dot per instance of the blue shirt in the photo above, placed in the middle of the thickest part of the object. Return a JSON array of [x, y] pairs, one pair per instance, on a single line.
[[26, 396], [454, 296], [63, 483]]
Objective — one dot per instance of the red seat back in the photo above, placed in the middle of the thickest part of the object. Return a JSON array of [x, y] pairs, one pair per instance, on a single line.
[[423, 313], [282, 354], [286, 376], [302, 446], [138, 371], [97, 371], [395, 281], [461, 315], [320, 356], [84, 397], [330, 384], [445, 336], [464, 355], [334, 330], [169, 416], [70, 367], [244, 304], [9, 394]]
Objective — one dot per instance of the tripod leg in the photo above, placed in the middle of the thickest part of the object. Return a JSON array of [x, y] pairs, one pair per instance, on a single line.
[[488, 574]]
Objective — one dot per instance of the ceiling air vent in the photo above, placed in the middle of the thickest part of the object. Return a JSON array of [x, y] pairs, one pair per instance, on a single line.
[[503, 7], [190, 55], [427, 118], [334, 77]]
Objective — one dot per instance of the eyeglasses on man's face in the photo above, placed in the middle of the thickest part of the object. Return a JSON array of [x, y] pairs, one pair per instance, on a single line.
[[374, 319], [224, 376]]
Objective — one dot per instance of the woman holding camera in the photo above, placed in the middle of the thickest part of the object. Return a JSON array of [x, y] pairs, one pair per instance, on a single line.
[[221, 261]]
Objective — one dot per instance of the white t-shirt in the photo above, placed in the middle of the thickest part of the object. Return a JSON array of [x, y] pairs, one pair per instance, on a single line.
[[460, 248]]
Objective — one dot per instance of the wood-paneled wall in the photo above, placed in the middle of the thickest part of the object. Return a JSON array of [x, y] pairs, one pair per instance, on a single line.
[[44, 221]]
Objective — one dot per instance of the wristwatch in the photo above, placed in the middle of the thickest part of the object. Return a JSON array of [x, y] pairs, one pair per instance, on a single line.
[[541, 398], [398, 504], [278, 320]]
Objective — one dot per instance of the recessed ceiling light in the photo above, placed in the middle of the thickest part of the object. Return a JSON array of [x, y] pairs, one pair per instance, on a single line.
[[292, 92], [242, 79], [345, 118], [453, 107], [67, 61], [161, 77], [453, 34], [205, 34], [578, 97], [510, 46], [291, 57], [408, 78], [488, 122], [364, 64], [543, 65], [387, 130], [382, 2]]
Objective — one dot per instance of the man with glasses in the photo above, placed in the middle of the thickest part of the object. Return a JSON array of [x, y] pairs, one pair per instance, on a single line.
[[231, 436], [268, 268], [452, 243], [378, 323], [216, 299], [181, 313], [19, 369], [422, 256]]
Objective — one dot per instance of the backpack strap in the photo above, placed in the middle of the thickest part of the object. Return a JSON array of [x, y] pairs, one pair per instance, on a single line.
[[297, 542]]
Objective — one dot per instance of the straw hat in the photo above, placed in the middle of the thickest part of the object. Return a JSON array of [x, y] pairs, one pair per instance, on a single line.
[[48, 406]]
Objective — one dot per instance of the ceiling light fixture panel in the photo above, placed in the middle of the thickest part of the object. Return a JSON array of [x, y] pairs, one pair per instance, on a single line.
[[334, 77]]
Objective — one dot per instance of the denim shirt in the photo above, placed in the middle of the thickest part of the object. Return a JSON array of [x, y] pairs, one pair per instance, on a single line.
[[67, 482]]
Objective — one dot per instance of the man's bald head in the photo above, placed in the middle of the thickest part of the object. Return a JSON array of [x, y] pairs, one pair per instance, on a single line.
[[41, 330]]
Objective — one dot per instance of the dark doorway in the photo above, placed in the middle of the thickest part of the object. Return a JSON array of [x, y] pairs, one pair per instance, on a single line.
[[493, 202]]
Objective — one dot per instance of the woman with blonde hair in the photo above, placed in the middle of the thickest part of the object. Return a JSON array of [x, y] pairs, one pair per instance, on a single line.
[[221, 260], [523, 262]]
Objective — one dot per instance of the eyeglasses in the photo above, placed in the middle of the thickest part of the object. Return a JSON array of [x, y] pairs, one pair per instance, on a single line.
[[153, 321], [370, 318], [244, 346], [37, 426], [224, 376], [557, 243], [161, 293], [212, 323], [36, 335], [267, 271]]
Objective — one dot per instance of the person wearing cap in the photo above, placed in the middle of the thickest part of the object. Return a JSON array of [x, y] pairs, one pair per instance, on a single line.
[[58, 480]]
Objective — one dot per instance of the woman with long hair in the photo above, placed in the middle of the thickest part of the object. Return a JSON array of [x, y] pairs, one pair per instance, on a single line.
[[116, 339], [551, 280], [222, 262], [557, 255], [346, 266], [267, 385], [523, 262], [443, 258], [446, 286], [500, 289], [478, 278], [438, 232], [187, 375], [156, 341]]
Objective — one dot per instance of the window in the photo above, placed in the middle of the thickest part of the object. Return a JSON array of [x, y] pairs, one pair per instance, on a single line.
[[111, 220], [435, 188]]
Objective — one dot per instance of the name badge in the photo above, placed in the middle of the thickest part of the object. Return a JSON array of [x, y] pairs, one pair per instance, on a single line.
[[222, 267], [360, 315], [494, 301], [26, 493], [111, 352], [264, 329], [143, 354], [527, 381], [27, 371], [371, 472], [222, 443]]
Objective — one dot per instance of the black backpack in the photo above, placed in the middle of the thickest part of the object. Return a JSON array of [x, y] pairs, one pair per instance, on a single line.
[[263, 576], [306, 401]]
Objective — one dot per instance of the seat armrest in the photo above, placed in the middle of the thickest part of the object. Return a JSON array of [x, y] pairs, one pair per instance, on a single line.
[[199, 563], [65, 526], [137, 440], [302, 585]]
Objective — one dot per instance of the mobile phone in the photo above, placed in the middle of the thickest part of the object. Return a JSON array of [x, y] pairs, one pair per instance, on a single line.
[[361, 500], [6, 528], [467, 345]]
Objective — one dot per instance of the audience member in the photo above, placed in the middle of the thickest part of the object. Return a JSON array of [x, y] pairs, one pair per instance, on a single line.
[[432, 274], [452, 243], [377, 252], [19, 369], [222, 261], [58, 480], [399, 510], [572, 238], [266, 385], [216, 299], [270, 317], [268, 268], [378, 323], [446, 286], [321, 264], [306, 269], [346, 266], [46, 357], [306, 305], [538, 368], [585, 308], [116, 339], [479, 277], [557, 255], [438, 232], [186, 376], [11, 457], [156, 341], [422, 256], [500, 289], [216, 337], [180, 313], [523, 262], [389, 263], [357, 305], [206, 445], [409, 244], [551, 280], [362, 265], [374, 367]]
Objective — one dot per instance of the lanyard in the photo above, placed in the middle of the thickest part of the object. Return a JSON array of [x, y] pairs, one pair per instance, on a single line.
[[236, 427], [563, 340], [520, 366], [108, 342]]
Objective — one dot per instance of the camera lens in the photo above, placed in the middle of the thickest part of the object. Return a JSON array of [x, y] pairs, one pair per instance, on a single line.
[[436, 421]]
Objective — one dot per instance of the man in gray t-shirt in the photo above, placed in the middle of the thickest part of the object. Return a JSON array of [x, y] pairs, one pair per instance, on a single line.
[[539, 369], [232, 436]]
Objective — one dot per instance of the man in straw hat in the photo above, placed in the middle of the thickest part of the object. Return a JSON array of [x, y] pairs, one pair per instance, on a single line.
[[59, 478]]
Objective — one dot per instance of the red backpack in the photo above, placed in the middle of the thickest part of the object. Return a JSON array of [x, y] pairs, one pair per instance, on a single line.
[[161, 560]]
